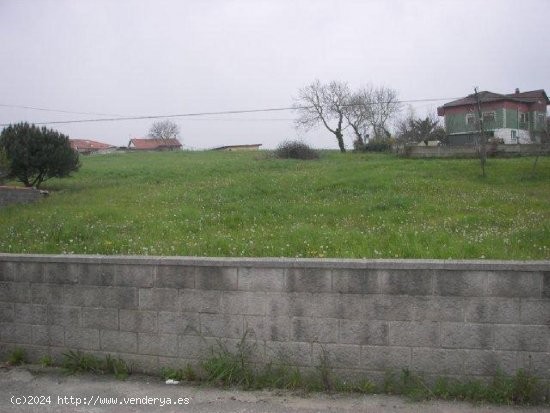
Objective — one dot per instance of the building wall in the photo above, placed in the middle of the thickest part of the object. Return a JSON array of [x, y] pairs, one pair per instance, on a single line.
[[459, 318]]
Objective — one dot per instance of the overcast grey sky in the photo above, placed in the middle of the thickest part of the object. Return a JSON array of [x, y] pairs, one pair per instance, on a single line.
[[136, 58]]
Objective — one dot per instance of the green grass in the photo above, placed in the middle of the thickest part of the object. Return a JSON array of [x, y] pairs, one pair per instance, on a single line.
[[248, 204]]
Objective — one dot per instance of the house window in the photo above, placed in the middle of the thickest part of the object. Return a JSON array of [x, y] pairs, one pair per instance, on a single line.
[[489, 117], [470, 119], [523, 117]]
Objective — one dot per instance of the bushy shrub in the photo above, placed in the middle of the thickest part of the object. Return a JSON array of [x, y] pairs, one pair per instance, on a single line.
[[295, 150], [378, 147]]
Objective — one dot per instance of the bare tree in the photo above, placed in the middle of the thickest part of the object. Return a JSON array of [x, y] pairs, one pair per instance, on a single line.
[[164, 129], [372, 108], [542, 135], [482, 142], [324, 103], [385, 107], [358, 113]]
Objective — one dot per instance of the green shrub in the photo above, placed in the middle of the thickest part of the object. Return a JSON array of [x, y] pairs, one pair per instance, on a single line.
[[46, 361], [295, 150], [17, 356]]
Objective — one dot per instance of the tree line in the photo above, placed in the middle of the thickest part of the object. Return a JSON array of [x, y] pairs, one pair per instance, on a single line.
[[367, 111]]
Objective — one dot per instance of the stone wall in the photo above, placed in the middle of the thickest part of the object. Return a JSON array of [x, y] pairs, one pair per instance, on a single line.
[[470, 151], [456, 318], [11, 195]]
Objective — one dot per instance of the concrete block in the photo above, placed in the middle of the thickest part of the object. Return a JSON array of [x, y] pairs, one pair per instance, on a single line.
[[490, 362], [368, 332], [29, 272], [16, 333], [103, 318], [288, 353], [492, 310], [466, 335], [193, 347], [243, 302], [216, 278], [134, 275], [121, 341], [97, 274], [178, 323], [81, 295], [355, 281], [438, 361], [261, 279], [522, 338], [383, 358], [159, 299], [436, 308], [7, 312], [174, 276], [308, 280], [48, 335], [460, 283], [61, 273], [31, 313], [535, 312], [538, 364], [222, 325], [388, 307], [336, 356], [138, 321], [7, 271], [267, 328], [546, 284], [82, 338], [142, 364], [252, 349], [119, 297], [333, 306], [158, 344], [64, 316], [321, 330], [405, 282], [414, 333], [290, 304], [200, 301], [15, 292], [278, 304], [46, 293], [514, 284]]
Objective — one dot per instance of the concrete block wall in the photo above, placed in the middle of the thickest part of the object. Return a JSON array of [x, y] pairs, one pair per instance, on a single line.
[[16, 195], [453, 318]]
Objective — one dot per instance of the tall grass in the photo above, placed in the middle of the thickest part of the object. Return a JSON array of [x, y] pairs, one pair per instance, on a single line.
[[245, 204]]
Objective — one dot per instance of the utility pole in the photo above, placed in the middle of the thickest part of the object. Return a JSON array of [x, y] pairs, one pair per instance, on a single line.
[[482, 140]]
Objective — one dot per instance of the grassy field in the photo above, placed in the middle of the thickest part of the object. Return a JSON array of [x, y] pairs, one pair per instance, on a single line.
[[247, 204]]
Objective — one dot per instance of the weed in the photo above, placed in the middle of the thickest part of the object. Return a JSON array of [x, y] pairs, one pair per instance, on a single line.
[[78, 362], [17, 356], [116, 366], [46, 361], [186, 374]]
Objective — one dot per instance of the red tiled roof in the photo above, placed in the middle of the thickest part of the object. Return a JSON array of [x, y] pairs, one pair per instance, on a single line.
[[532, 96], [86, 144], [154, 143]]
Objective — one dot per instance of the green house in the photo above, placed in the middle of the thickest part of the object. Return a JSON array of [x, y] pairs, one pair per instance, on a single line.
[[511, 119]]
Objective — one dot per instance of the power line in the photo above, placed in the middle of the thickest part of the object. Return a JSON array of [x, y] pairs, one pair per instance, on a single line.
[[182, 115], [58, 110]]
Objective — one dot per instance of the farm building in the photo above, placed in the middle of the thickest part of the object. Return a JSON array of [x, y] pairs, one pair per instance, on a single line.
[[86, 146], [171, 144], [252, 147]]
